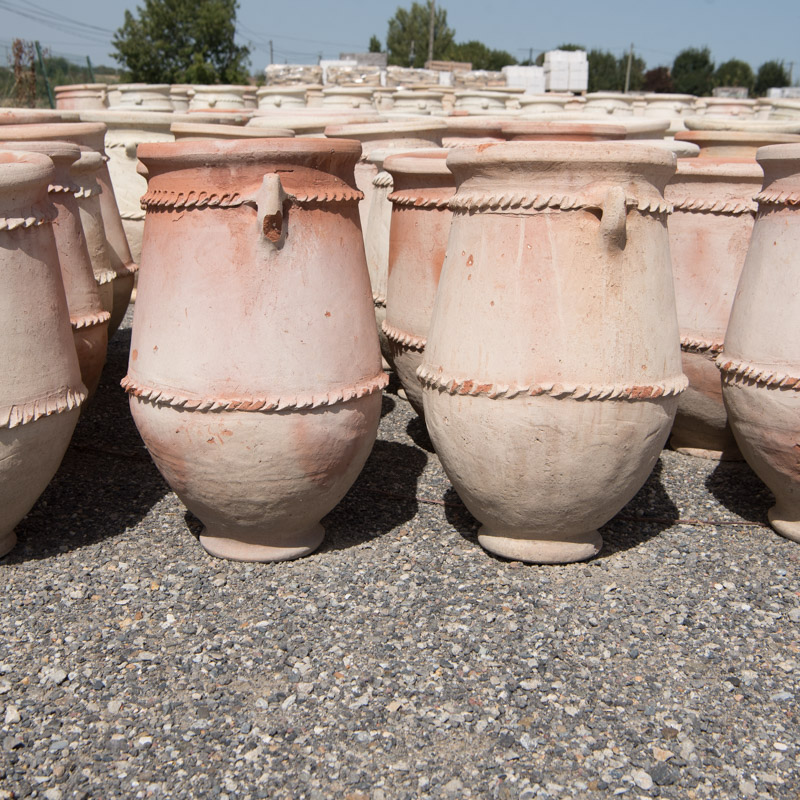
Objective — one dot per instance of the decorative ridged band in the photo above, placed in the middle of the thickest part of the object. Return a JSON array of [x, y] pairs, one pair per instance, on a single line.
[[702, 346], [137, 216], [744, 372], [165, 200], [89, 320], [105, 276], [421, 200], [432, 379], [730, 208], [63, 400], [778, 198], [466, 201], [75, 189], [404, 339], [379, 300], [383, 179], [169, 397], [35, 218]]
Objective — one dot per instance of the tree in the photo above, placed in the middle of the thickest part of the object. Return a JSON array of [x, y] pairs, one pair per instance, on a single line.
[[735, 73], [658, 80], [481, 56], [603, 72], [182, 41], [374, 44], [693, 72], [408, 34], [770, 74], [24, 64]]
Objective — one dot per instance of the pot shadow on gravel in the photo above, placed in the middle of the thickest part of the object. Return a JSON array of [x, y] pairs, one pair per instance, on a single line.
[[382, 498], [649, 513], [418, 433], [106, 482], [740, 490]]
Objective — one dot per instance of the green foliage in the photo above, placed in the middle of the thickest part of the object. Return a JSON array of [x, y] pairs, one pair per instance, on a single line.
[[182, 41], [693, 72], [604, 72], [770, 74], [412, 25], [735, 73], [481, 56], [374, 44], [658, 80]]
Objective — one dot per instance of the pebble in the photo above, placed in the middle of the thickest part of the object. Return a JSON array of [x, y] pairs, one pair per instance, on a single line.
[[400, 661]]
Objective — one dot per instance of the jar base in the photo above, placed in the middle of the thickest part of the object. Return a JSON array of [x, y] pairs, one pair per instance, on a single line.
[[790, 528], [725, 454], [542, 551], [302, 543], [8, 542]]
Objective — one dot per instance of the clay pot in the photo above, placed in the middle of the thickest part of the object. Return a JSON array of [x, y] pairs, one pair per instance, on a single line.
[[40, 385], [567, 131], [668, 105], [141, 97], [727, 144], [709, 232], [217, 97], [30, 116], [312, 121], [476, 102], [186, 130], [108, 245], [616, 103], [88, 318], [179, 94], [284, 97], [752, 126], [420, 225], [254, 374], [81, 95], [348, 97], [472, 131], [417, 102], [400, 135], [725, 106], [552, 368], [761, 361], [535, 104]]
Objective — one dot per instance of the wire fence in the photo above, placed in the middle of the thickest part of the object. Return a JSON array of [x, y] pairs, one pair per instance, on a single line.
[[28, 86]]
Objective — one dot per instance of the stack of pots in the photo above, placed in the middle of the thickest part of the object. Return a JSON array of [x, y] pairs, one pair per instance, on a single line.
[[552, 371], [40, 386], [254, 373], [710, 228]]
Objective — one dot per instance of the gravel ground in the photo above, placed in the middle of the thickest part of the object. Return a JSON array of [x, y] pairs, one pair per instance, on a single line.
[[401, 660]]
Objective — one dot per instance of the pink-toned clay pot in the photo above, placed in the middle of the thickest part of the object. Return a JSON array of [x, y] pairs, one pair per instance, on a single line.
[[733, 144], [709, 229], [87, 316], [40, 385], [187, 130], [552, 130], [761, 361], [254, 373], [552, 367], [471, 131], [89, 136], [420, 225], [78, 96], [387, 136], [31, 116]]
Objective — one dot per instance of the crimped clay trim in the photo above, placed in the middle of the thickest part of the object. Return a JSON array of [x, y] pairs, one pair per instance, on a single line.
[[64, 399], [404, 339]]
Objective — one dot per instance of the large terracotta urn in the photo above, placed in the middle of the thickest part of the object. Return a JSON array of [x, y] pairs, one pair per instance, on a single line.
[[152, 97], [187, 130], [552, 366], [40, 385], [710, 227], [567, 130], [77, 96], [284, 97], [87, 316], [254, 375], [420, 226], [470, 131], [217, 97], [760, 363]]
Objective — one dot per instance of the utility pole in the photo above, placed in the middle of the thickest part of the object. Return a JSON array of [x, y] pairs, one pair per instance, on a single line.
[[530, 55], [91, 71], [270, 52], [430, 30], [791, 70], [411, 54], [628, 70]]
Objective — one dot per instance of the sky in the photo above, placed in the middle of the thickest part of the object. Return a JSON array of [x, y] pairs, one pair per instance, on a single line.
[[301, 30]]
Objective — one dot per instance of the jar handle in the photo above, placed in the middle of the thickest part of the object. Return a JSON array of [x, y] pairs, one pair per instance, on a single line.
[[270, 204], [613, 224]]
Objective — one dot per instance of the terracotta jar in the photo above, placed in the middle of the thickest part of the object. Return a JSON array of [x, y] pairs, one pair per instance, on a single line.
[[616, 103], [40, 386], [348, 97], [471, 131], [736, 144], [109, 247], [552, 367], [227, 98], [761, 361], [668, 105], [187, 130], [568, 131], [480, 102], [179, 94], [87, 316], [80, 95], [399, 135], [420, 225], [726, 106], [548, 103], [709, 233], [141, 97], [30, 116], [410, 101], [285, 97], [254, 374]]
